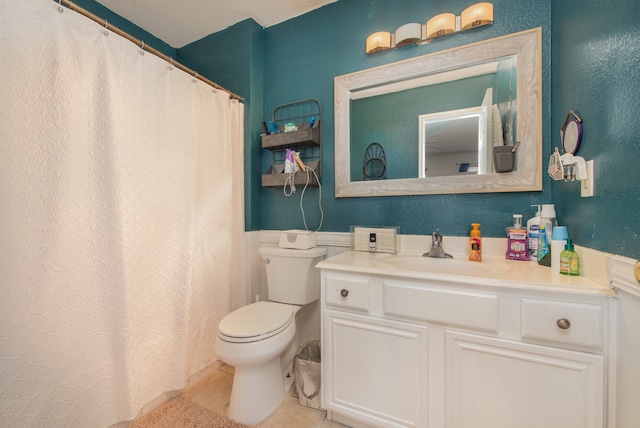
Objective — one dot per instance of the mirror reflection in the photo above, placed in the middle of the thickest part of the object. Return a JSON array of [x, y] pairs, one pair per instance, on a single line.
[[438, 125], [418, 111], [452, 142]]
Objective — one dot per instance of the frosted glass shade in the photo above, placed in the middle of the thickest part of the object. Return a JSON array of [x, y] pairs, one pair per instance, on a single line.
[[476, 15], [408, 33], [377, 42], [441, 25]]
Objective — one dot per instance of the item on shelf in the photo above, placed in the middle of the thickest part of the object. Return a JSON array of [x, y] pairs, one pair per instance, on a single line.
[[295, 127]]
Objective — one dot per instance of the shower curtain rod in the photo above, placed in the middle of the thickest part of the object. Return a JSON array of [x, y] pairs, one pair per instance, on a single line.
[[144, 46]]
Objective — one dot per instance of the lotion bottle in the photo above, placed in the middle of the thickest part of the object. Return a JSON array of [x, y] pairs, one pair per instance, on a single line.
[[475, 243]]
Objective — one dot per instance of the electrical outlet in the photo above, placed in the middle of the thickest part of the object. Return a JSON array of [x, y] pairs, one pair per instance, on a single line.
[[586, 186]]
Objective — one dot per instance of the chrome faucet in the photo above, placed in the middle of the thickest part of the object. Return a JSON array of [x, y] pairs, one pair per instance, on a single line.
[[436, 247]]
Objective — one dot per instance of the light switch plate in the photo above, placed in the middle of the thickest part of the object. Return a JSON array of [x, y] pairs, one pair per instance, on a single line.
[[586, 186]]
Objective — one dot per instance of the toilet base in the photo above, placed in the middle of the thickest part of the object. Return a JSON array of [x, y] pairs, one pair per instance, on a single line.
[[263, 373], [257, 391]]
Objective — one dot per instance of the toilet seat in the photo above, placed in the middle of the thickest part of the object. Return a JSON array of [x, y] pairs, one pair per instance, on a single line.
[[255, 322]]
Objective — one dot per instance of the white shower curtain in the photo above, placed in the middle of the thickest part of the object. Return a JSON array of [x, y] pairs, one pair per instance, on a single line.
[[121, 221]]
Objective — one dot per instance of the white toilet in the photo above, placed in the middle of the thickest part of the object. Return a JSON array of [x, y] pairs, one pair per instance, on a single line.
[[260, 339]]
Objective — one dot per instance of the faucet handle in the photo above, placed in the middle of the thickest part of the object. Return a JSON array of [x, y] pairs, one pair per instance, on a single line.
[[436, 236]]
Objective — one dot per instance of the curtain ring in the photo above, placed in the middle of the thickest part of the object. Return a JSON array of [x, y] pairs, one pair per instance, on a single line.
[[60, 8], [106, 28], [195, 77], [170, 63], [142, 48]]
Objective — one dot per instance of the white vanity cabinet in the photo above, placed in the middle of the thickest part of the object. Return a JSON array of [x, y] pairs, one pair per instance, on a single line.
[[403, 352], [374, 369]]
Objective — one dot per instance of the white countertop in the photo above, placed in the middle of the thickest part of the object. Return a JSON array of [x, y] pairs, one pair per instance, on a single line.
[[495, 272]]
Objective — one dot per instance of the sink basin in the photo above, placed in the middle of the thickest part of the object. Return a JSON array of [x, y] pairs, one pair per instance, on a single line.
[[455, 266]]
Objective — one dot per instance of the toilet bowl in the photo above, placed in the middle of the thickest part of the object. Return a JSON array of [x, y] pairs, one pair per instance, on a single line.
[[260, 339], [259, 383]]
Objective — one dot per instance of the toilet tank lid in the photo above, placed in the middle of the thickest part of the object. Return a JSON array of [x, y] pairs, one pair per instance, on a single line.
[[288, 252]]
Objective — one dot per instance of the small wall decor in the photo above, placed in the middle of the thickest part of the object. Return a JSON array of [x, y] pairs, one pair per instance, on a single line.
[[571, 133], [374, 166]]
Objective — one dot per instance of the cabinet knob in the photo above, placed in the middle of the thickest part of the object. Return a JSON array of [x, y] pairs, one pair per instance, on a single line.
[[563, 323], [344, 292]]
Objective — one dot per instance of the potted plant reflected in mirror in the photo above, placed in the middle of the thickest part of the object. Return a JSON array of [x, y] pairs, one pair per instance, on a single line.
[[504, 157]]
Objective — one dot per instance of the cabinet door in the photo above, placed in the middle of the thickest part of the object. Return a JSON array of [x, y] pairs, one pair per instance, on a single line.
[[375, 370], [503, 384]]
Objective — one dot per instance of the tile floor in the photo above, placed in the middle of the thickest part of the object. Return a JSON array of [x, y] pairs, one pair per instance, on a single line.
[[213, 389]]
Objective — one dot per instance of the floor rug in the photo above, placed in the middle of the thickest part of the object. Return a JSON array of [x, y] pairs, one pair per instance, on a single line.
[[182, 413]]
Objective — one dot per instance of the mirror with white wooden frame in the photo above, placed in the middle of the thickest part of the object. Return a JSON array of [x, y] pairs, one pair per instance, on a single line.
[[439, 116]]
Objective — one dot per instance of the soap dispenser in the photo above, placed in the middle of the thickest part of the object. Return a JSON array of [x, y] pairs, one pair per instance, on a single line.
[[475, 243], [517, 245], [569, 260]]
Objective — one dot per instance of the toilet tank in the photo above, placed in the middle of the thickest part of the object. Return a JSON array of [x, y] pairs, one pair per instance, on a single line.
[[291, 274]]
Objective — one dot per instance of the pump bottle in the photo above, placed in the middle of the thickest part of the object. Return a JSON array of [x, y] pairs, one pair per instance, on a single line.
[[569, 260], [475, 243], [517, 246], [533, 228]]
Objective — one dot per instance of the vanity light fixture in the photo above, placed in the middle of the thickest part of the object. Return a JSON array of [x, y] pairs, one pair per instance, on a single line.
[[441, 25], [477, 15], [378, 42], [408, 34]]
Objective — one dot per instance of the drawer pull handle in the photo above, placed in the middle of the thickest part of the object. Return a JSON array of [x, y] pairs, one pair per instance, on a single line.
[[344, 292], [563, 323]]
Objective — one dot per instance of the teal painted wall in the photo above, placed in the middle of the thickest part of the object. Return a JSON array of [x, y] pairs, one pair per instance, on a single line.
[[596, 71], [303, 55], [594, 68]]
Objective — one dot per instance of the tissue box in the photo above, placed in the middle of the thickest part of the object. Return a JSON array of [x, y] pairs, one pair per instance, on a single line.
[[297, 239]]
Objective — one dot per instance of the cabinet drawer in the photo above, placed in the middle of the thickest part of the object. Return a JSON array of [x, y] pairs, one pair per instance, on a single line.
[[347, 291], [565, 322], [473, 310]]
